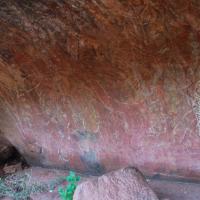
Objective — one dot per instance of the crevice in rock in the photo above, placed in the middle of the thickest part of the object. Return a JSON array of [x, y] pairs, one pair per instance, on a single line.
[[11, 160]]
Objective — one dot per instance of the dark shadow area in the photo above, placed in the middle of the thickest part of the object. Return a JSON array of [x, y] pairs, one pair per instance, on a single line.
[[13, 163]]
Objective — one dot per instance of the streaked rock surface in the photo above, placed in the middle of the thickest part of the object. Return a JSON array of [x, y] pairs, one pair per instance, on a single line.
[[99, 85]]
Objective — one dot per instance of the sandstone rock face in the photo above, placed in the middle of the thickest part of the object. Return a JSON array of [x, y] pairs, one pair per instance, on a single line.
[[99, 85], [126, 184]]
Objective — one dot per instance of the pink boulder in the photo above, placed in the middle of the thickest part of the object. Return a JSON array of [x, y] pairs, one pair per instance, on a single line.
[[126, 184]]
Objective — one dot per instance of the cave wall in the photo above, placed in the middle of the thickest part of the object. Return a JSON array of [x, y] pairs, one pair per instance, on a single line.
[[96, 85]]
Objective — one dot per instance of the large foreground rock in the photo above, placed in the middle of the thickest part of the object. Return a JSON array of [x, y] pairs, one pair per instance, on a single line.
[[96, 85], [124, 184]]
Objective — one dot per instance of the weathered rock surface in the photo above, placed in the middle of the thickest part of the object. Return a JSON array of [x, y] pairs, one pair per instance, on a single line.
[[126, 184], [175, 189], [99, 85]]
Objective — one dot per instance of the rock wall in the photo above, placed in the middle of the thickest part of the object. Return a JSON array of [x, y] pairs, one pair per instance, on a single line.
[[96, 85]]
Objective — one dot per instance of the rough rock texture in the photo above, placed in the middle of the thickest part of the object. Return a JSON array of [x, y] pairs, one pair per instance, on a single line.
[[175, 189], [97, 85], [126, 184]]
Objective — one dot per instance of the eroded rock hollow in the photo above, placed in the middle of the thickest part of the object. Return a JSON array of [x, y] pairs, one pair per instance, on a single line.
[[96, 85]]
